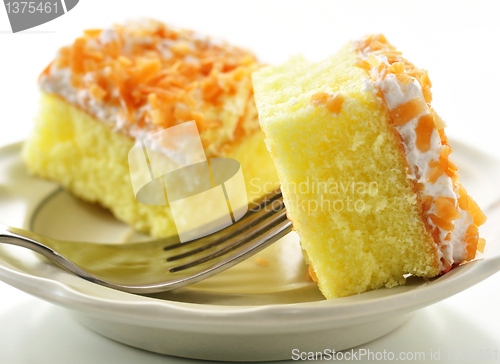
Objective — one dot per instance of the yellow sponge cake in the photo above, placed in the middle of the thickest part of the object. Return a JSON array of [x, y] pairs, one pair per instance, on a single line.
[[363, 163], [114, 87]]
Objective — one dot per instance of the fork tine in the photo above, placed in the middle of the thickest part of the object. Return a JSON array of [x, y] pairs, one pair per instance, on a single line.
[[252, 217], [279, 222], [227, 234], [134, 267]]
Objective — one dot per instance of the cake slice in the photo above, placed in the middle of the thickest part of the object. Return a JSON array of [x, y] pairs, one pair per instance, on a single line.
[[364, 166], [114, 87]]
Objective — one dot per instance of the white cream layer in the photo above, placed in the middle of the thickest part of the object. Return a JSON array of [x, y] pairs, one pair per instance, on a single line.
[[395, 94]]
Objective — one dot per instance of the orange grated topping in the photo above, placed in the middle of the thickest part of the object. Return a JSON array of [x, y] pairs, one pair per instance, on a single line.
[[319, 98], [433, 163], [404, 78], [420, 186], [333, 103], [481, 243], [382, 71], [97, 92], [434, 174], [442, 223], [446, 209], [262, 262], [373, 61], [443, 137], [424, 79], [443, 157], [452, 169], [374, 45], [76, 57], [463, 200], [311, 274], [472, 238], [427, 202], [477, 215], [406, 112], [426, 91], [397, 67], [363, 64], [149, 69], [444, 162], [92, 32], [374, 42], [438, 122], [424, 131]]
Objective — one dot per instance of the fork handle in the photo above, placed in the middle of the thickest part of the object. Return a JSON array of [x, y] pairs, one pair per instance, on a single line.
[[32, 241]]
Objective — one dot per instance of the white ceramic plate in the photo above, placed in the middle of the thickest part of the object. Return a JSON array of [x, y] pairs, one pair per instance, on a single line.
[[249, 312]]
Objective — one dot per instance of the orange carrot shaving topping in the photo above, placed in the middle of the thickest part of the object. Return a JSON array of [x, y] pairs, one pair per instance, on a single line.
[[443, 224], [150, 69], [381, 69], [333, 103], [373, 43], [426, 90], [404, 78], [183, 114], [481, 243], [77, 55], [397, 67], [211, 89], [199, 119], [444, 162], [438, 122], [92, 32], [424, 131], [406, 112], [444, 157], [433, 163], [471, 237], [319, 98], [427, 202], [420, 186], [434, 174], [452, 169], [463, 200], [373, 60], [443, 137], [424, 79], [446, 209], [477, 215], [311, 274], [415, 72], [97, 92], [262, 262], [363, 64]]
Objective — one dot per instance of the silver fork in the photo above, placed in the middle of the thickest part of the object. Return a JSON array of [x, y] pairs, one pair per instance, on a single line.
[[164, 264]]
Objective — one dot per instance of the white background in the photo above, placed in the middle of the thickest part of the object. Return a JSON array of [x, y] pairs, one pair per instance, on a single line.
[[457, 41]]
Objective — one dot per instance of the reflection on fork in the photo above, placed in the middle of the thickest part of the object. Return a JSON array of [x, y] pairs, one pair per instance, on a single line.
[[164, 264]]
